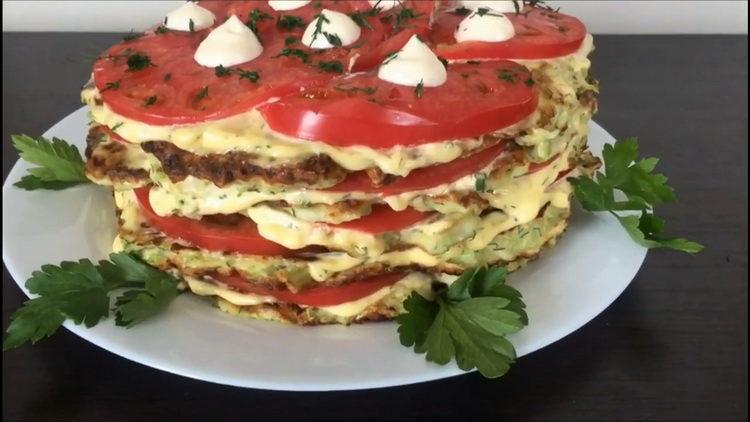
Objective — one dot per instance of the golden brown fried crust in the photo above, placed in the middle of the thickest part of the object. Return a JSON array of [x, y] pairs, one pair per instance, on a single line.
[[105, 162], [318, 171], [589, 100], [222, 169]]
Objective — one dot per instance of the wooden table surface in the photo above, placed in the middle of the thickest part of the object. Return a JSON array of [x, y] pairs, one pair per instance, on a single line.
[[673, 346]]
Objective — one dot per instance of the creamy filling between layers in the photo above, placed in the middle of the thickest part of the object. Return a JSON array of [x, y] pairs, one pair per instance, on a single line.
[[248, 132], [514, 197], [560, 80], [485, 247], [194, 197], [389, 296]]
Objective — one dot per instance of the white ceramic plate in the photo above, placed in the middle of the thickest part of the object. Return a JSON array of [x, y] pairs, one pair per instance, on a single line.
[[571, 284]]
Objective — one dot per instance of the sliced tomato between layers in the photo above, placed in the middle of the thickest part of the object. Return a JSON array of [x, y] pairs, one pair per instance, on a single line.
[[425, 177], [383, 219], [540, 34], [364, 110], [316, 296], [242, 236], [175, 89]]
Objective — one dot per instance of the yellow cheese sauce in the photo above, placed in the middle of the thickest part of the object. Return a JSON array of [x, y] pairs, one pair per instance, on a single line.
[[516, 197], [194, 197], [522, 240], [386, 301], [412, 282], [248, 132], [562, 78]]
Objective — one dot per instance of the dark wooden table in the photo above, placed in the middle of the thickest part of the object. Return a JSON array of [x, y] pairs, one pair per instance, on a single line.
[[673, 346]]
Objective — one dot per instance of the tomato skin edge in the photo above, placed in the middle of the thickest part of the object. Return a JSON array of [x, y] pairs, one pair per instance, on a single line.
[[319, 296], [466, 165], [343, 131], [245, 240]]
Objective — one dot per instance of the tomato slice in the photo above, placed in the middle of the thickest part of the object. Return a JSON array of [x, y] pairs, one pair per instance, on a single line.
[[425, 177], [365, 110], [111, 133], [383, 219], [175, 89], [535, 167], [240, 237], [400, 32], [540, 33], [316, 296], [241, 234], [564, 173]]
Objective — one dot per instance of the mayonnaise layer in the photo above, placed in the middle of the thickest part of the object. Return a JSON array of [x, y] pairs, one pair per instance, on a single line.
[[412, 282], [484, 246], [248, 132]]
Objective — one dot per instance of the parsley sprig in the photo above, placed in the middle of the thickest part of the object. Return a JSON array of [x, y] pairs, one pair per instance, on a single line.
[[111, 85], [80, 291], [360, 18], [138, 61], [60, 164], [480, 182], [419, 89], [403, 16], [483, 11], [294, 52], [255, 16], [507, 75], [332, 39], [289, 22], [467, 321], [251, 75], [643, 189], [333, 66], [132, 36]]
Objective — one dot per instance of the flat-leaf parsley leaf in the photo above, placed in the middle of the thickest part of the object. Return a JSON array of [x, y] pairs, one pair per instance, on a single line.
[[467, 321], [80, 291], [643, 188], [60, 164]]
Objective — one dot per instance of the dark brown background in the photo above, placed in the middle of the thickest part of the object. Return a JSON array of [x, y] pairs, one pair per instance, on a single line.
[[673, 346]]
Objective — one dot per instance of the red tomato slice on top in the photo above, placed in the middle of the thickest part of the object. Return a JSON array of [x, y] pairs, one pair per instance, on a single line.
[[425, 177], [362, 109], [540, 33], [401, 26], [316, 296], [175, 89]]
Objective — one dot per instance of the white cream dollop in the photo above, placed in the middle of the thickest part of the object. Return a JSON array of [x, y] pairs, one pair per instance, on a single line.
[[489, 27], [229, 44], [499, 6], [179, 19], [331, 23], [384, 5], [284, 5], [415, 63]]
